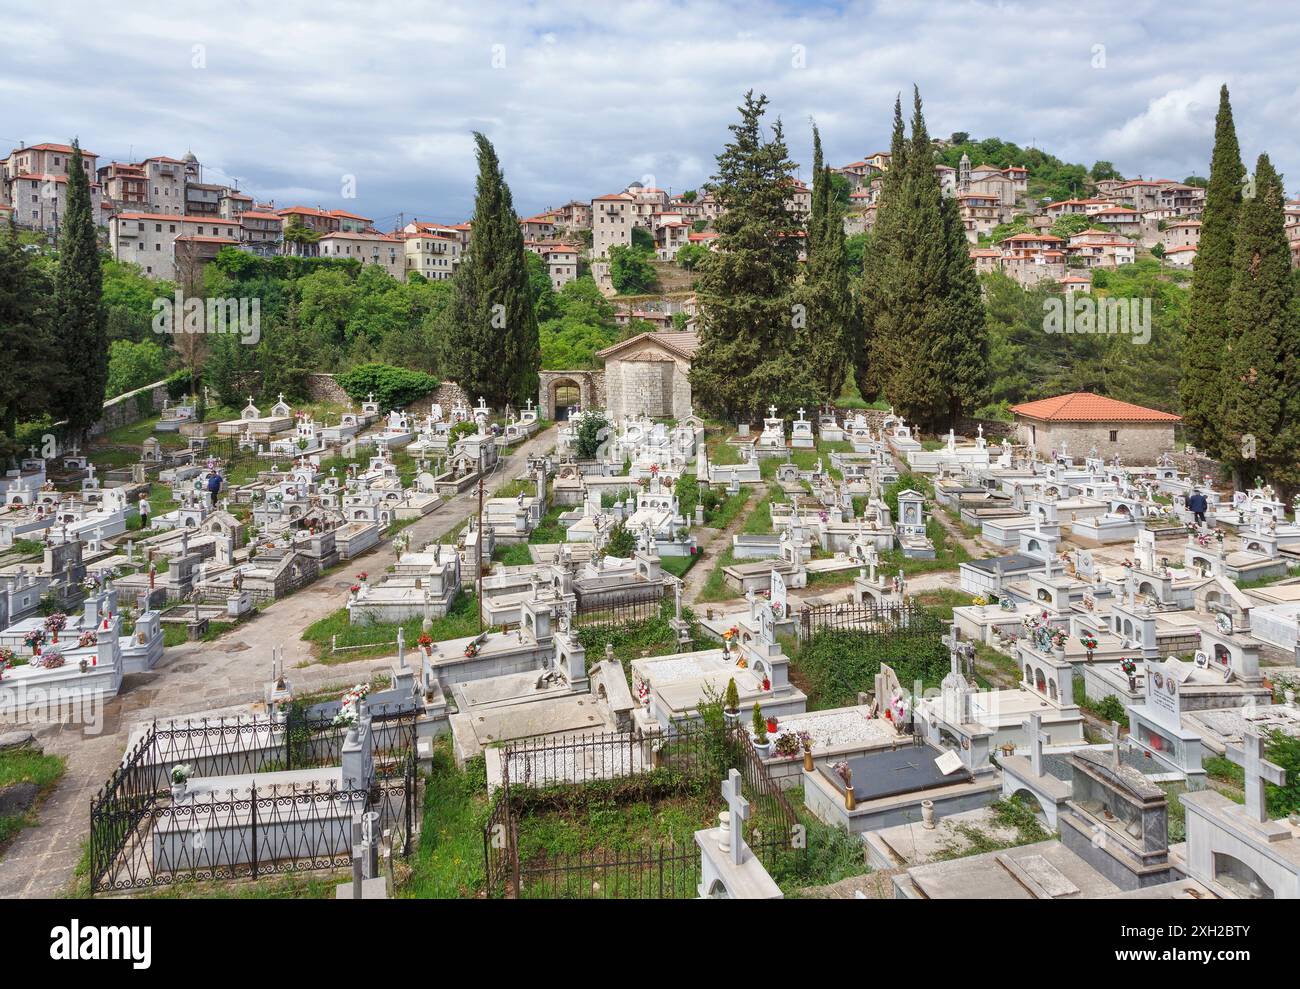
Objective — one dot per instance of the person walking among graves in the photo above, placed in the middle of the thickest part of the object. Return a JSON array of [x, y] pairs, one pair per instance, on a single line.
[[144, 511], [214, 487], [1196, 505]]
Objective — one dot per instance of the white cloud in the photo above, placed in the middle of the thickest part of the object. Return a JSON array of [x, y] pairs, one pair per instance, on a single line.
[[586, 97]]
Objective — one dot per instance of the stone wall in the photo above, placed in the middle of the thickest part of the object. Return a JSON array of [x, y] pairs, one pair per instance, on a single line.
[[131, 407], [323, 388], [656, 388]]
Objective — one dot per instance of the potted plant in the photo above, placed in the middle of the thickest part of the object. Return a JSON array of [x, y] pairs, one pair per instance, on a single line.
[[34, 640], [731, 703], [981, 602], [181, 773], [762, 744], [787, 745]]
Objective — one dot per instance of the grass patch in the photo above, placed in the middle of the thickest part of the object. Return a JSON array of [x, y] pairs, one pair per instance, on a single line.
[[678, 565], [461, 621], [448, 860], [942, 600], [26, 765], [715, 587], [512, 555]]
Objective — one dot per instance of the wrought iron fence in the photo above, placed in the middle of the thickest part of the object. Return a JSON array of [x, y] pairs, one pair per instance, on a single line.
[[690, 760], [907, 620], [617, 608], [140, 836]]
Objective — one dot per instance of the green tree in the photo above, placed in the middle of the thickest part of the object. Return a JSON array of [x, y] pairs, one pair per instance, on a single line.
[[1103, 170], [828, 318], [1208, 329], [747, 356], [490, 329], [134, 365], [26, 347], [80, 326], [631, 271], [1261, 319], [962, 346]]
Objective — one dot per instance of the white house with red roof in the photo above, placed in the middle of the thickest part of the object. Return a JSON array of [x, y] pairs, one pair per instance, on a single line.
[[372, 247], [1083, 421]]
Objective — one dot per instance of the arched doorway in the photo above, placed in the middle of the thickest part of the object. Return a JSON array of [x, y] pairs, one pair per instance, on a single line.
[[566, 395]]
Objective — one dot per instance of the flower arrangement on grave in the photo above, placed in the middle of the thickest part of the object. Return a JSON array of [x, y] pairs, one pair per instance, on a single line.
[[1058, 636], [87, 639], [52, 659], [350, 712], [34, 639], [355, 588], [363, 576], [471, 650], [842, 770], [425, 641], [900, 707], [1128, 667], [181, 773], [1089, 642], [54, 624], [643, 691], [980, 601], [8, 658]]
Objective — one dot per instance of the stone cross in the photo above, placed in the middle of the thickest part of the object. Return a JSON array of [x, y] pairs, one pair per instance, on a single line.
[[1037, 739], [1250, 757], [738, 813], [1114, 744], [771, 411]]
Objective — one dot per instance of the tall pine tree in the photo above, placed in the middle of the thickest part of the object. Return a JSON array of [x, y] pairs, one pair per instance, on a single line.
[[748, 356], [1262, 330], [80, 325], [490, 341], [1207, 333]]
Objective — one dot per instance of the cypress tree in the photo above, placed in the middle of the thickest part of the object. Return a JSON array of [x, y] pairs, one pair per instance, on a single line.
[[820, 196], [490, 340], [24, 339], [830, 309], [1212, 275], [913, 286], [80, 325], [963, 347], [1262, 329], [874, 354], [747, 356]]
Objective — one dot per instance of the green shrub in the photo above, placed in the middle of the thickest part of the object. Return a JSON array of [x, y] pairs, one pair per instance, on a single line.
[[393, 387]]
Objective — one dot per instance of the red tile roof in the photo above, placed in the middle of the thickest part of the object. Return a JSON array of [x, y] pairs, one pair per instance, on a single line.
[[1082, 406]]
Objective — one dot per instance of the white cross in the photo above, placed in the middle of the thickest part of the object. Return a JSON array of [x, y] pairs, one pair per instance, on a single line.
[[738, 813], [771, 411], [1037, 739], [801, 413], [1250, 757]]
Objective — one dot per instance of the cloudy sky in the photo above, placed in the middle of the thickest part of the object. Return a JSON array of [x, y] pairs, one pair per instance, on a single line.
[[291, 100]]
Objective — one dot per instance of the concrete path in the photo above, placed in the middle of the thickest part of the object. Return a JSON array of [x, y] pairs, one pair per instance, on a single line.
[[203, 676]]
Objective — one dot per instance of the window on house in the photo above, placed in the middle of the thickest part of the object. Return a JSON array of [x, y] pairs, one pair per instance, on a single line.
[[1114, 435]]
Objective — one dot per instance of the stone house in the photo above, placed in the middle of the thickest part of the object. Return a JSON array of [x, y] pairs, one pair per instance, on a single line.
[[1082, 421], [368, 248], [612, 219]]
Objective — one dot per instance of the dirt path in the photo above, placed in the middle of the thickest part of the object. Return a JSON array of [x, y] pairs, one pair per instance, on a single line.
[[203, 676], [714, 545]]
